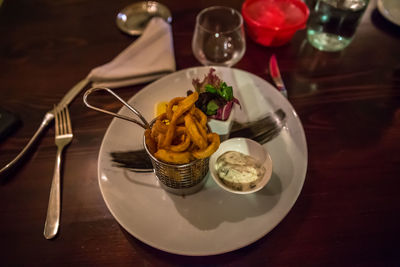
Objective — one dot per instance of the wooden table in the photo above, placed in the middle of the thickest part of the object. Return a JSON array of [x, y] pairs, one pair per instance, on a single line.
[[348, 102]]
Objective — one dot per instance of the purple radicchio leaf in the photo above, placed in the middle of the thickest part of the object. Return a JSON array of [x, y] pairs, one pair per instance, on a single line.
[[236, 101], [224, 112], [210, 78]]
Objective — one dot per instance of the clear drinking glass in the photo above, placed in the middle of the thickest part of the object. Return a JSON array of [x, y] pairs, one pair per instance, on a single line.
[[218, 37], [332, 23]]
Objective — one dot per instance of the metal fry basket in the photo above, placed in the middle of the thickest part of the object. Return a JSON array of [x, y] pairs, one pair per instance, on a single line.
[[180, 179]]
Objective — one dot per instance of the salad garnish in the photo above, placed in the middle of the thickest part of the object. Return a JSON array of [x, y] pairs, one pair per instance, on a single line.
[[215, 96]]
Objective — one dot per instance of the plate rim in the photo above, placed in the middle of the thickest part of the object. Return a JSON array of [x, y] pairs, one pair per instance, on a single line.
[[244, 244]]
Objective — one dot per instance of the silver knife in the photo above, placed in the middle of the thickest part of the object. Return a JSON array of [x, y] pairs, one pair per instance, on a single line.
[[72, 93]]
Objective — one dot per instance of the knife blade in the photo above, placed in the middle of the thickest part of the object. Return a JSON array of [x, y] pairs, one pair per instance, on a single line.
[[261, 130], [276, 75], [73, 92], [48, 117]]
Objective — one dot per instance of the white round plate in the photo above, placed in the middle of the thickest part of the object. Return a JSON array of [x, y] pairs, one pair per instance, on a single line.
[[211, 221], [390, 9]]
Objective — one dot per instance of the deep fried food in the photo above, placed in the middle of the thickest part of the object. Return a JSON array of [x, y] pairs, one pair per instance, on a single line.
[[194, 133], [159, 124], [150, 142], [170, 106], [173, 157], [183, 106], [202, 130], [158, 128], [182, 146], [213, 138], [160, 138], [169, 135], [181, 135], [200, 116]]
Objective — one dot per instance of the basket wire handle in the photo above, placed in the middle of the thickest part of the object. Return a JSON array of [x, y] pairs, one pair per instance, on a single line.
[[144, 124]]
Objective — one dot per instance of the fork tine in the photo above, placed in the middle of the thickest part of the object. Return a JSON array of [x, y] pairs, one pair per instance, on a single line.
[[56, 114], [64, 123], [68, 119]]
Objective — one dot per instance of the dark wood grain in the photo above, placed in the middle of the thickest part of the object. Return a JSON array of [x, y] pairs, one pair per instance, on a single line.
[[348, 102]]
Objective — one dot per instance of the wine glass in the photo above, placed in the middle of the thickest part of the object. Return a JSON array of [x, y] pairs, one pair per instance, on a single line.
[[218, 37]]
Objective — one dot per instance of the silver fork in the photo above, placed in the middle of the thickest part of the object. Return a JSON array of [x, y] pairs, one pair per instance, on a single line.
[[63, 138]]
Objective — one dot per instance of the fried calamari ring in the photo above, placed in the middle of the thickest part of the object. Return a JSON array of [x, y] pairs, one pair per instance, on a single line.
[[202, 130], [169, 135], [213, 138], [200, 116], [181, 146], [170, 109], [162, 116], [171, 104], [184, 105], [194, 133], [173, 157], [192, 147], [172, 131], [160, 138], [180, 130], [154, 133], [180, 135], [160, 126], [150, 142]]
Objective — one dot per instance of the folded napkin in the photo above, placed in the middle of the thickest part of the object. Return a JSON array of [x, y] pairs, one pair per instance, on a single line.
[[148, 58]]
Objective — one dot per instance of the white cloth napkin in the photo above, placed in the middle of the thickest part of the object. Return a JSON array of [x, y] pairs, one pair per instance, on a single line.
[[148, 58]]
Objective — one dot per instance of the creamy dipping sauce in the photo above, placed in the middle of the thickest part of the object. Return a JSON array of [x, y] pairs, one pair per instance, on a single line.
[[239, 171]]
